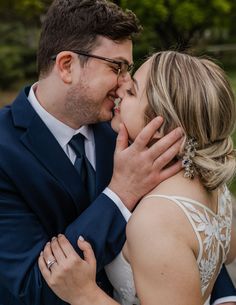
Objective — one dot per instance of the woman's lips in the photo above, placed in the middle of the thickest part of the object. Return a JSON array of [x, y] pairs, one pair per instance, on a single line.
[[117, 103], [116, 108]]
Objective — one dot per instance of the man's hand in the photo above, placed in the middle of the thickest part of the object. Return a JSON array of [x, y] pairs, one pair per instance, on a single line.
[[137, 168]]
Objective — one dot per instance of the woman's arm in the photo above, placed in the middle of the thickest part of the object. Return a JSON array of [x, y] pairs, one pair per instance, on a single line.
[[160, 239], [72, 278]]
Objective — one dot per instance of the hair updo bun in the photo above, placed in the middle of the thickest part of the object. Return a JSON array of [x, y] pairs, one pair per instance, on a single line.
[[194, 93]]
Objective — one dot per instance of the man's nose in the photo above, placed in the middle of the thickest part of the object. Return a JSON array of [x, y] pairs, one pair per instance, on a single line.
[[124, 78]]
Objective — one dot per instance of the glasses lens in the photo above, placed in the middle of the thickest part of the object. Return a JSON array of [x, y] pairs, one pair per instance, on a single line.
[[124, 67], [130, 69]]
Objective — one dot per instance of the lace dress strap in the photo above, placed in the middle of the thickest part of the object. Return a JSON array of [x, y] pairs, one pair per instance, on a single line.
[[212, 230]]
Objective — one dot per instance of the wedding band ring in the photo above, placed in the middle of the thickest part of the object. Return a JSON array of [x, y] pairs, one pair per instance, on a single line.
[[50, 263]]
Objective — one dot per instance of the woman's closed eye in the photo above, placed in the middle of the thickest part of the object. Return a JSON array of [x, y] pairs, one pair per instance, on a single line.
[[130, 92]]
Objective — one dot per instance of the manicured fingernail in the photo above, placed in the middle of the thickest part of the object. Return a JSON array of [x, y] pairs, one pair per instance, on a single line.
[[60, 235], [41, 253], [81, 238], [54, 238]]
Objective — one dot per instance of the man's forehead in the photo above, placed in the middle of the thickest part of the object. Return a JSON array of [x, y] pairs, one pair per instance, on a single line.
[[120, 50]]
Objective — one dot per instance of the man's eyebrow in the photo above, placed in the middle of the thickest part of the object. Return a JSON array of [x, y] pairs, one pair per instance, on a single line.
[[135, 82], [122, 59]]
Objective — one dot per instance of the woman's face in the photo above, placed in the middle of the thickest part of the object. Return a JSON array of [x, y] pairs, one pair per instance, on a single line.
[[131, 109]]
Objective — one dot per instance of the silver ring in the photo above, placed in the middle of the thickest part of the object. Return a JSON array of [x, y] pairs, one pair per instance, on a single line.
[[50, 263]]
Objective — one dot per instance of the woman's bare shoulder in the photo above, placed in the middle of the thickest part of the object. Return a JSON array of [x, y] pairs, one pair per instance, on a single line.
[[162, 217]]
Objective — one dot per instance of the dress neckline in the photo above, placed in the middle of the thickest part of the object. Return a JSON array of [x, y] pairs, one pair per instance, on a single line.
[[189, 200]]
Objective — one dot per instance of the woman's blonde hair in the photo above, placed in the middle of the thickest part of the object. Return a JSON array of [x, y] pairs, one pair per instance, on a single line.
[[195, 94]]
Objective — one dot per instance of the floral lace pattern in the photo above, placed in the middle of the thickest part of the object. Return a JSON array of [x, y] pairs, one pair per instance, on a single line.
[[213, 231], [120, 275]]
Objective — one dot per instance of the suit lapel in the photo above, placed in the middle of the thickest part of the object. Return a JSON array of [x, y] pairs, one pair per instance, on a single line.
[[39, 140]]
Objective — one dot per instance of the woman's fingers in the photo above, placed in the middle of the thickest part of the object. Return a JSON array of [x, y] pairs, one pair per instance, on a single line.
[[147, 133], [73, 277], [49, 257], [167, 147], [167, 156], [66, 246], [122, 139], [43, 267], [60, 254], [57, 250], [171, 170], [89, 256]]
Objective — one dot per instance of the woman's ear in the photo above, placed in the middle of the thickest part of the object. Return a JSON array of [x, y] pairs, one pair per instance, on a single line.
[[64, 61], [157, 135]]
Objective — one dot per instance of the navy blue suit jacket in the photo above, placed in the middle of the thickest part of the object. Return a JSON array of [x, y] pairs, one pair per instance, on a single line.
[[41, 195]]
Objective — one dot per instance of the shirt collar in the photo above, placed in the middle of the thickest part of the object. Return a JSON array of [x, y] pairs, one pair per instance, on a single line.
[[62, 132]]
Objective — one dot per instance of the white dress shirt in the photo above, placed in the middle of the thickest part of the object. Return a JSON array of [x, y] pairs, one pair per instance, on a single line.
[[225, 300], [63, 134]]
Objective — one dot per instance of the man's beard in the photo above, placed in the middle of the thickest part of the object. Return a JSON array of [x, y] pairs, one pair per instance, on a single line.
[[81, 108]]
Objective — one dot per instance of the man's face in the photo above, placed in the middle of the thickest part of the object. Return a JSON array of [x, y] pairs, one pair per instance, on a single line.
[[90, 98]]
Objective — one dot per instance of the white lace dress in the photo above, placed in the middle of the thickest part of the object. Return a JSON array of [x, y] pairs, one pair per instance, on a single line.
[[213, 232]]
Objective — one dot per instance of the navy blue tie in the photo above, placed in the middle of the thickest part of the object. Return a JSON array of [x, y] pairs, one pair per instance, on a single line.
[[82, 164]]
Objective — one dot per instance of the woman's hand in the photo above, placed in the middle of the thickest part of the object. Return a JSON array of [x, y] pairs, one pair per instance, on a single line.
[[69, 276]]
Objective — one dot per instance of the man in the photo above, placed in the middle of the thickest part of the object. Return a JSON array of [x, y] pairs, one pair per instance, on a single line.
[[52, 182]]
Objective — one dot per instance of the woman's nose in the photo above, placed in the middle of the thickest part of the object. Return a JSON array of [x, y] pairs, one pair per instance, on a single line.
[[120, 92]]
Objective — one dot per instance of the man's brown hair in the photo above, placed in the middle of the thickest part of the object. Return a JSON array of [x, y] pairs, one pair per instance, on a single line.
[[75, 24]]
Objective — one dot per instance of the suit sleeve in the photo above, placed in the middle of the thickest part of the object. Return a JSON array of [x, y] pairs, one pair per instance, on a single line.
[[23, 237], [223, 286], [103, 225]]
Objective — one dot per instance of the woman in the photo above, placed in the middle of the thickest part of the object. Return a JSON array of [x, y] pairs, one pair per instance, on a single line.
[[180, 234]]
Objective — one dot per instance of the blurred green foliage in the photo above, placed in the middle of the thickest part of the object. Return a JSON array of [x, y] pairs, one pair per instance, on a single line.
[[20, 22], [17, 53], [181, 23], [28, 12], [168, 24]]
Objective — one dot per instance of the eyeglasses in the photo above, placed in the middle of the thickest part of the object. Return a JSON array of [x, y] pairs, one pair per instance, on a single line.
[[123, 67]]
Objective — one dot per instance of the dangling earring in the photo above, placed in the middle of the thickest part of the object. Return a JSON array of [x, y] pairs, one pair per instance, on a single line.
[[189, 154]]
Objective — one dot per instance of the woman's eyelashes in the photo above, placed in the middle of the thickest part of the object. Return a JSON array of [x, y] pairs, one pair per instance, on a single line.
[[130, 92]]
